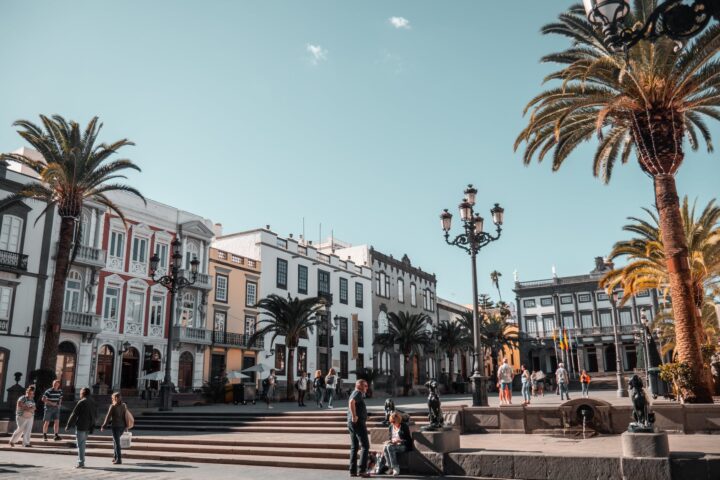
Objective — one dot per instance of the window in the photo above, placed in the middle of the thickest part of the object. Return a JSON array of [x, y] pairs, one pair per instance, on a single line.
[[602, 296], [531, 323], [432, 302], [382, 284], [568, 320], [134, 312], [302, 279], [250, 294], [220, 321], [401, 290], [644, 293], [10, 233], [73, 289], [139, 250], [249, 325], [343, 364], [323, 282], [413, 297], [529, 303], [187, 316], [85, 228], [566, 299], [279, 359], [117, 244], [605, 319], [549, 323], [360, 362], [5, 300], [301, 360], [426, 299], [625, 317], [110, 308], [586, 319], [343, 330], [190, 254], [358, 295], [584, 298], [361, 335], [282, 274], [221, 288], [157, 307], [161, 250], [546, 302], [344, 291]]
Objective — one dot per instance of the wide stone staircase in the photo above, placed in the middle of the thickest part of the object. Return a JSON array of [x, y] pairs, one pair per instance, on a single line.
[[313, 439]]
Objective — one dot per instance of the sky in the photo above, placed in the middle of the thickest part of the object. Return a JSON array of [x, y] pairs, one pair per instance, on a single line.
[[365, 119]]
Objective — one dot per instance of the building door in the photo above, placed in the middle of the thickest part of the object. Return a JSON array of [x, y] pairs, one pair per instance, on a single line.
[[632, 358], [247, 363], [130, 368], [65, 368], [610, 358], [185, 372], [217, 368], [105, 361], [592, 363]]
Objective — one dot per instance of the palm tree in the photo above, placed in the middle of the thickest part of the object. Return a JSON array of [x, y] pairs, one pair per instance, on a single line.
[[74, 169], [453, 339], [291, 318], [646, 102], [410, 332], [496, 334], [495, 279]]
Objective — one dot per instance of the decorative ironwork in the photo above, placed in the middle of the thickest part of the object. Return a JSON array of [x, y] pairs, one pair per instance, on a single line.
[[16, 261]]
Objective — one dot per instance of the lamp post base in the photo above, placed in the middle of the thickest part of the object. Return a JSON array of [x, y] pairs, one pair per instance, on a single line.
[[165, 399], [480, 398], [621, 392]]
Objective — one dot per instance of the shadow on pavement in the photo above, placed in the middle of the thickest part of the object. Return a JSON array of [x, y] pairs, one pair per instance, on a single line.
[[165, 465], [8, 467], [129, 470]]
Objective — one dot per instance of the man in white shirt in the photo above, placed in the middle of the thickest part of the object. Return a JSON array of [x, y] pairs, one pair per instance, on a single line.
[[505, 377], [563, 380]]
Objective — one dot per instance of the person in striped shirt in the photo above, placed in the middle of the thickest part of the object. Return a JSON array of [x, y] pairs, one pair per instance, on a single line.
[[52, 398]]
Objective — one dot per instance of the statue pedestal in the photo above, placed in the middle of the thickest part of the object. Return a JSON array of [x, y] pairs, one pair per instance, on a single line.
[[645, 445], [445, 440]]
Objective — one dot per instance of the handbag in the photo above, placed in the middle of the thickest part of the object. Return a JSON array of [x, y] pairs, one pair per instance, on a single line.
[[129, 419], [126, 440]]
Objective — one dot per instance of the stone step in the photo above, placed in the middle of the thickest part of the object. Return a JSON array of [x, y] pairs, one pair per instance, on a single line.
[[241, 422], [221, 428], [258, 460]]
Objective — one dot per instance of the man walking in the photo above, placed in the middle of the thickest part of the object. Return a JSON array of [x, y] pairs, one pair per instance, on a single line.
[[52, 398], [269, 384], [562, 379], [505, 377], [83, 419], [357, 426]]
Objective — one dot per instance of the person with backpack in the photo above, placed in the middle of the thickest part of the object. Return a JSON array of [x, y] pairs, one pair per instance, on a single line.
[[585, 384], [319, 388], [330, 384], [301, 386], [120, 419], [269, 387]]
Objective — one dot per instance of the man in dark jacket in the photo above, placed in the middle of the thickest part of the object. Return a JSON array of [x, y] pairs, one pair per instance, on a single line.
[[357, 426], [83, 419]]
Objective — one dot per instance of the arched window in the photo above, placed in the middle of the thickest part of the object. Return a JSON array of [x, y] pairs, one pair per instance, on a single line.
[[185, 372], [73, 292], [187, 317], [11, 233]]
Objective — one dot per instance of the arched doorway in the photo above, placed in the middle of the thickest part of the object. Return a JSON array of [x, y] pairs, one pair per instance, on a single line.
[[129, 372], [105, 360], [154, 366], [185, 372], [65, 368]]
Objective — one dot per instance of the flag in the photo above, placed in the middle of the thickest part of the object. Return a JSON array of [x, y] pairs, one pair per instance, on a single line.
[[567, 344]]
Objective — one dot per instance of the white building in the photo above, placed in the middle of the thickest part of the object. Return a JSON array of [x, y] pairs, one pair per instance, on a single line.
[[300, 270]]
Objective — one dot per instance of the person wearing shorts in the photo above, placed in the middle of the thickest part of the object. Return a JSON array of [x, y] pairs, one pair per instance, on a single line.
[[52, 398]]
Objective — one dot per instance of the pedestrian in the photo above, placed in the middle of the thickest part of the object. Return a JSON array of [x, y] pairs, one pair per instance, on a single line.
[[526, 383], [541, 382], [83, 419], [269, 387], [357, 426], [505, 377], [319, 388], [585, 384], [52, 398], [302, 385], [562, 379], [117, 417], [399, 441], [24, 417], [330, 385]]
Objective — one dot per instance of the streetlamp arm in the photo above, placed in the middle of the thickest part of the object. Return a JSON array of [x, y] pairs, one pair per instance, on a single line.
[[470, 241], [172, 283]]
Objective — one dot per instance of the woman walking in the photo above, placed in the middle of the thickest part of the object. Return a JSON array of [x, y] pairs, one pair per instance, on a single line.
[[319, 388], [330, 384], [116, 418], [526, 383], [24, 416], [585, 383]]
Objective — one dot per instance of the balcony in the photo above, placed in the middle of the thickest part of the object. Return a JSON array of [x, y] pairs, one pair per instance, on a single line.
[[587, 331], [13, 261], [203, 281], [199, 336], [90, 256], [80, 322], [236, 340]]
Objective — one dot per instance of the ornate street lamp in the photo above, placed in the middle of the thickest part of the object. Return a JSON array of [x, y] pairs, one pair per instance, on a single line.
[[174, 283], [674, 19], [621, 390], [472, 241]]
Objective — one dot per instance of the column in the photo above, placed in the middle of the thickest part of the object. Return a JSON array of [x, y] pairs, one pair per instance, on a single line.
[[600, 356]]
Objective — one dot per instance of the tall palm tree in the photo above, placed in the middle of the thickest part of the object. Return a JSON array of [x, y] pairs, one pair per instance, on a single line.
[[74, 169], [647, 102], [410, 332], [291, 318], [495, 279], [453, 339], [496, 334]]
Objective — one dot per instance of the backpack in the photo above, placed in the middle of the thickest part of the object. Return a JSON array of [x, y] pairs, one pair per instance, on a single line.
[[265, 383]]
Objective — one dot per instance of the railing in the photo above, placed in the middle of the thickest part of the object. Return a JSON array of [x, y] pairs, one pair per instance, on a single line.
[[203, 280], [240, 340], [597, 330], [282, 243], [80, 322], [15, 261], [192, 335], [90, 256], [302, 250], [323, 257], [4, 324]]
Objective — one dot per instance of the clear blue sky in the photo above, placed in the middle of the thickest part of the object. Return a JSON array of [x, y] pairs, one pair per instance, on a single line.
[[265, 112]]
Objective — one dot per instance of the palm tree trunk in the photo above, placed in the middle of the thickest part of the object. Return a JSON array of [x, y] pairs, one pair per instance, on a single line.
[[57, 297], [451, 366], [408, 376], [290, 389], [687, 337]]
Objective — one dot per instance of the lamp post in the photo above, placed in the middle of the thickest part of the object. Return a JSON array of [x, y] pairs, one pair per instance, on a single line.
[[644, 322], [174, 283], [472, 241], [621, 390], [672, 19]]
